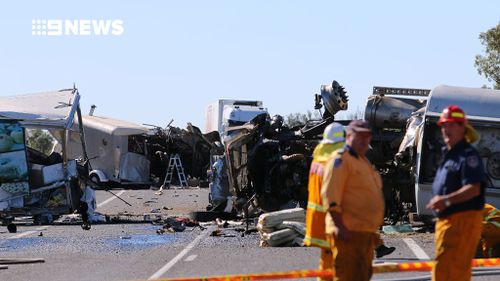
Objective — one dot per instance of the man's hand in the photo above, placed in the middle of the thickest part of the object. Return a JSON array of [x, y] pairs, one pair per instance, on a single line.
[[437, 203], [342, 233]]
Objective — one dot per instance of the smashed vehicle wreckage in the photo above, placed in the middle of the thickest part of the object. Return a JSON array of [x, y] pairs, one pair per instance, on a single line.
[[265, 163], [193, 147], [61, 181], [406, 142], [127, 155], [33, 183]]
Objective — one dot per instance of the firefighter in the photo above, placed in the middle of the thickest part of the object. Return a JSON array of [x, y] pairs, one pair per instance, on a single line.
[[458, 198], [352, 194], [333, 139]]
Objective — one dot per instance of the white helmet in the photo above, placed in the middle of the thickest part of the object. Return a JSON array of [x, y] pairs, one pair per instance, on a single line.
[[333, 133]]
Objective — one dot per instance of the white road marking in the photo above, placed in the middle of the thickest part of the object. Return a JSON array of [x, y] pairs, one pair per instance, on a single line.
[[419, 253], [110, 199], [186, 250], [27, 233], [191, 258]]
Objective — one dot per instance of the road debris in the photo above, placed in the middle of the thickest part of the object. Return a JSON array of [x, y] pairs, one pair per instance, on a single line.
[[12, 228], [21, 260], [282, 228]]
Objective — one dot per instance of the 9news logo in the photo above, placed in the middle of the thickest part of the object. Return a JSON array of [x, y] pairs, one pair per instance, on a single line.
[[56, 27]]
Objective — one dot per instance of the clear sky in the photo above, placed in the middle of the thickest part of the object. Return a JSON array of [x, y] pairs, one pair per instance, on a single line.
[[175, 57]]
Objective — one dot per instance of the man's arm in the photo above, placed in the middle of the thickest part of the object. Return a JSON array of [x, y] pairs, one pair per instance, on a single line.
[[465, 193], [341, 232]]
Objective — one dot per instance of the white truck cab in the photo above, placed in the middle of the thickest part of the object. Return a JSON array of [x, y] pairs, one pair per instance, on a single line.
[[226, 113]]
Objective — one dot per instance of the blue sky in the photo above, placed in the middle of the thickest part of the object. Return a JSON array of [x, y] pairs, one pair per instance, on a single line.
[[175, 57]]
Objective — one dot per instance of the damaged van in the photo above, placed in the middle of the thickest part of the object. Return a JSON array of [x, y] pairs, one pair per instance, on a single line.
[[42, 184]]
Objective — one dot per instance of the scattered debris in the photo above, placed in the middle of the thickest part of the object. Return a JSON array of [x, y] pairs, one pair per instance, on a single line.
[[216, 232], [398, 228], [173, 224], [86, 226], [12, 228], [206, 216], [282, 228], [220, 233], [221, 223], [152, 217], [77, 219], [21, 260]]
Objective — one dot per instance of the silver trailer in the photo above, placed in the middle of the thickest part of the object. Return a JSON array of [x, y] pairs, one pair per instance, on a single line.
[[116, 149]]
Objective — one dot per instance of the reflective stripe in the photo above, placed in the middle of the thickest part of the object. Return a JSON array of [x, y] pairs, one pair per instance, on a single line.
[[490, 216], [457, 114], [316, 241], [316, 207]]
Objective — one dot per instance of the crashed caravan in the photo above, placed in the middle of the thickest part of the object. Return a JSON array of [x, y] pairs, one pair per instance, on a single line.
[[31, 182], [116, 150]]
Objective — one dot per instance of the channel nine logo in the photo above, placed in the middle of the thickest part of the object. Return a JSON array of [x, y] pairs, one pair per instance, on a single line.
[[82, 27]]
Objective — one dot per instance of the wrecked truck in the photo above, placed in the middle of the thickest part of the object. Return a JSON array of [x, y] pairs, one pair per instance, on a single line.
[[31, 182], [266, 163], [407, 142], [190, 144]]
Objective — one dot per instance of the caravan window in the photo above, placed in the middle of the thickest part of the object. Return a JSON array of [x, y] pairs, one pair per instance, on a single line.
[[40, 140], [137, 144]]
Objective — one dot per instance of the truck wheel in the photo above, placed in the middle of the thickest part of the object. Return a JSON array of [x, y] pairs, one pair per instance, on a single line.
[[97, 181]]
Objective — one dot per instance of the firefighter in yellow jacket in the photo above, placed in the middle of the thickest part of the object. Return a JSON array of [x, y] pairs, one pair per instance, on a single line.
[[352, 194], [333, 139]]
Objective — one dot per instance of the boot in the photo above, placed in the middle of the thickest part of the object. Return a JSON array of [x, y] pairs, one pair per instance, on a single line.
[[383, 250]]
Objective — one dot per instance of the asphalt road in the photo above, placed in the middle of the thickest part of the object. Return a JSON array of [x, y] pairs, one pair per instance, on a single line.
[[132, 250]]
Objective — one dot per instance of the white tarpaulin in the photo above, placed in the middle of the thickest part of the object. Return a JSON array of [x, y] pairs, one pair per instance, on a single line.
[[55, 109]]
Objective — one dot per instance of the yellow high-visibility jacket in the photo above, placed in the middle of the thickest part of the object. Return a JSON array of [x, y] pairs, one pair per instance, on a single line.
[[315, 215]]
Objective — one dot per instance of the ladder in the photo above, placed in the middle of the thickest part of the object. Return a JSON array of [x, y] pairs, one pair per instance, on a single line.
[[174, 162]]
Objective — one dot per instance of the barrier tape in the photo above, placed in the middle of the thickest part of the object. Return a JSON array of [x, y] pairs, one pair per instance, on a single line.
[[259, 276], [377, 268], [426, 266]]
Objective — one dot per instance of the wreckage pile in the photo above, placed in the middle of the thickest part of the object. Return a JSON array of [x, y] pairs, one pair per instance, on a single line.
[[192, 146], [282, 228]]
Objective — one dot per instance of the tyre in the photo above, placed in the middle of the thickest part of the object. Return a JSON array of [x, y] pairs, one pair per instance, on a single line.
[[97, 184]]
